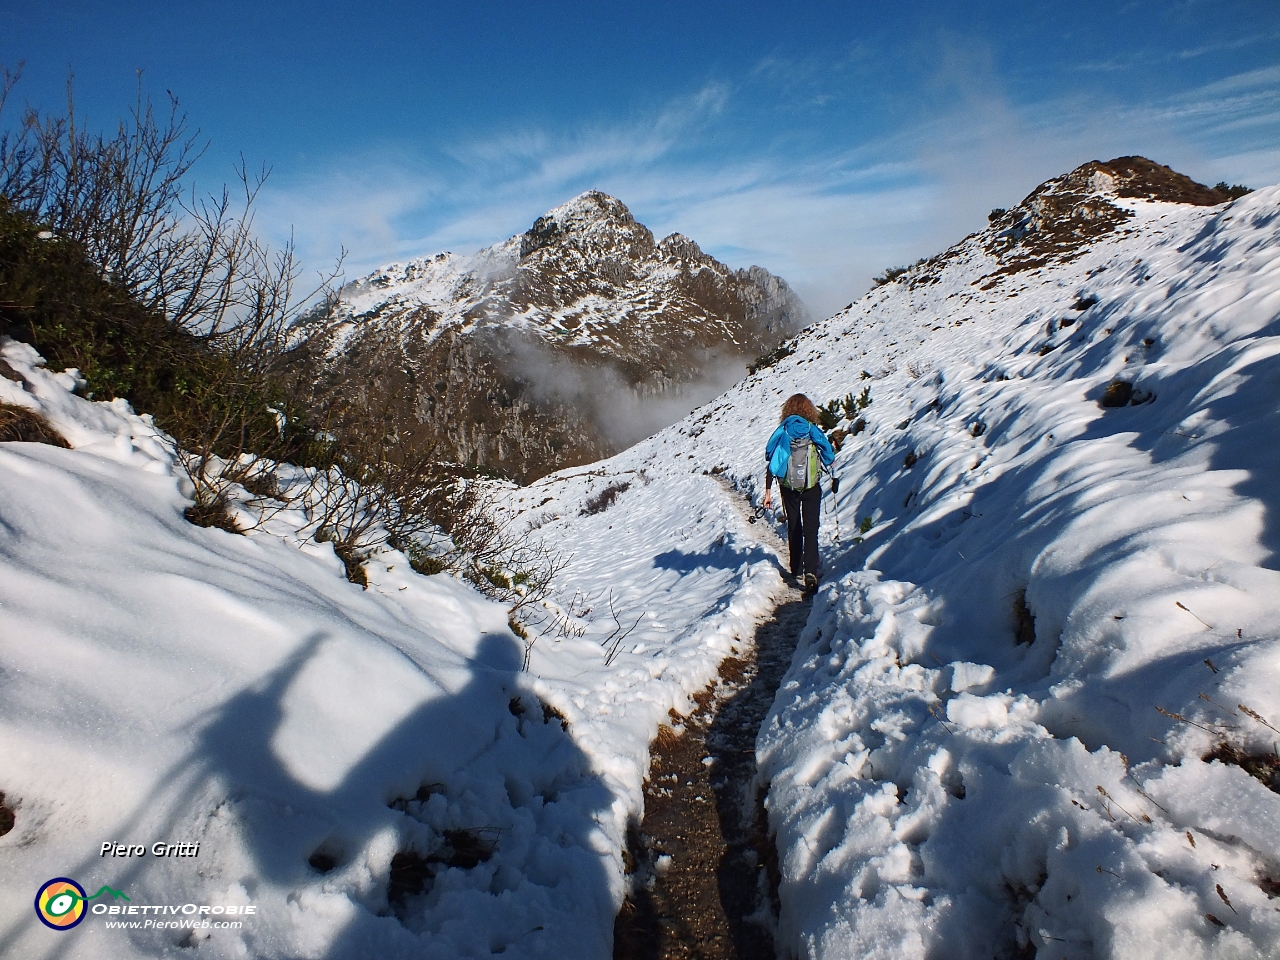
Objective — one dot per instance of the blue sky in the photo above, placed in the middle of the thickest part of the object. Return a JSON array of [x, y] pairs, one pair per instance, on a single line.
[[824, 141]]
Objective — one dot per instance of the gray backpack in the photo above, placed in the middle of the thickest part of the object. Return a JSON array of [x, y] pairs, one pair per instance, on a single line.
[[802, 467]]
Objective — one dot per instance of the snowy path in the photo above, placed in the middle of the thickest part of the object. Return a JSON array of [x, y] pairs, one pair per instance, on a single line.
[[705, 868]]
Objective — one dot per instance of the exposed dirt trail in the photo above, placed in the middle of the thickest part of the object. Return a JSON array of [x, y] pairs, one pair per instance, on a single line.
[[704, 867]]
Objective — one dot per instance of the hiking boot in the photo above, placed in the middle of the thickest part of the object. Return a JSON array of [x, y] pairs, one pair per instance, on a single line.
[[810, 582]]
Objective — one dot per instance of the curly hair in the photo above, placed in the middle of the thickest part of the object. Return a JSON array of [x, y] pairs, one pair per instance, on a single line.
[[798, 405]]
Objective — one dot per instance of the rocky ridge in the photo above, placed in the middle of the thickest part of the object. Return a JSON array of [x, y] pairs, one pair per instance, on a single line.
[[559, 346], [1059, 220]]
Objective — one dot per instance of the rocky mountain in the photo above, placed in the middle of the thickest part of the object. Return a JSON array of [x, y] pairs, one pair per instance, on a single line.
[[560, 346]]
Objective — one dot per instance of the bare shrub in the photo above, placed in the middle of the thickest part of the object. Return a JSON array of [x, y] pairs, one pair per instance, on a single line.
[[226, 302], [232, 381], [603, 500]]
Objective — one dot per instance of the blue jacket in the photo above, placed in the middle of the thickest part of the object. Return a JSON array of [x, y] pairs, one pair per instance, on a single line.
[[793, 428]]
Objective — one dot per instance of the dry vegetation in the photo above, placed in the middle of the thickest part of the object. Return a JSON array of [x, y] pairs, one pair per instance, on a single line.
[[26, 426], [168, 299]]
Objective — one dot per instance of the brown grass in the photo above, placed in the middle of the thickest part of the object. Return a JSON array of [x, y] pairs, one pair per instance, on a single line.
[[550, 713], [665, 737], [20, 425], [212, 514], [413, 874], [1117, 394], [1264, 766], [354, 563]]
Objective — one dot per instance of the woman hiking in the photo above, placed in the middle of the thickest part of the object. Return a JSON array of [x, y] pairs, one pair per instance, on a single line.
[[797, 454]]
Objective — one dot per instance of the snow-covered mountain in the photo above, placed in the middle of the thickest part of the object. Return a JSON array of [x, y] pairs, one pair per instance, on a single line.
[[1031, 713], [561, 345]]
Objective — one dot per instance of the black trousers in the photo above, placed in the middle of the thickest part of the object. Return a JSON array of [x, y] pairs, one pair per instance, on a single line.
[[803, 508]]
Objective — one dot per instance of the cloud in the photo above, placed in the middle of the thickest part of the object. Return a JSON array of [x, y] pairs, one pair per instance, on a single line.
[[621, 412], [358, 205]]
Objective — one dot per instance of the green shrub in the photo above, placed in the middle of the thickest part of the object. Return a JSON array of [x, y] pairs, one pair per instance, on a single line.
[[495, 577], [890, 274], [769, 359], [828, 415], [1233, 192]]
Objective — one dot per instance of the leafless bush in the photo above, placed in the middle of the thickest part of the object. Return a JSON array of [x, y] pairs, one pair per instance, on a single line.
[[603, 500], [248, 392], [504, 559], [613, 642], [193, 260], [917, 369]]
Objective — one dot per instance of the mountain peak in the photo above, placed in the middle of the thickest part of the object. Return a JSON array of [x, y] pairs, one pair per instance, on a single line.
[[589, 206], [561, 345], [592, 220]]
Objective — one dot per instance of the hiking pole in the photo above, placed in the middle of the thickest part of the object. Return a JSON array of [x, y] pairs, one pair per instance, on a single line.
[[835, 507], [759, 512]]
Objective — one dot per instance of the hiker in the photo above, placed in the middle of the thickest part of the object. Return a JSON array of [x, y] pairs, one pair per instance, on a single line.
[[797, 454]]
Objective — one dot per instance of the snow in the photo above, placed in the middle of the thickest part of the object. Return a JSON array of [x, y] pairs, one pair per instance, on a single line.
[[935, 787], [164, 682]]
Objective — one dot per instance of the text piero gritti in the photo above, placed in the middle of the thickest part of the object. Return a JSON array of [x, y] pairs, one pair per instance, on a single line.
[[158, 849]]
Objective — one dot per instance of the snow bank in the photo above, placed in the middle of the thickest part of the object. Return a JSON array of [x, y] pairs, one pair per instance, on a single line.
[[173, 684], [939, 787]]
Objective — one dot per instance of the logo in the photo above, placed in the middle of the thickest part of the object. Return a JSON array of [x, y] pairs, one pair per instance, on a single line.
[[60, 902]]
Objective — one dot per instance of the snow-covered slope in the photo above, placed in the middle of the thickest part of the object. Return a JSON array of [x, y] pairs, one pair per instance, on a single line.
[[165, 683], [939, 788]]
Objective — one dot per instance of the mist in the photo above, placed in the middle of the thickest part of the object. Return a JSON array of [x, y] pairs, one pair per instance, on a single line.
[[624, 412]]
